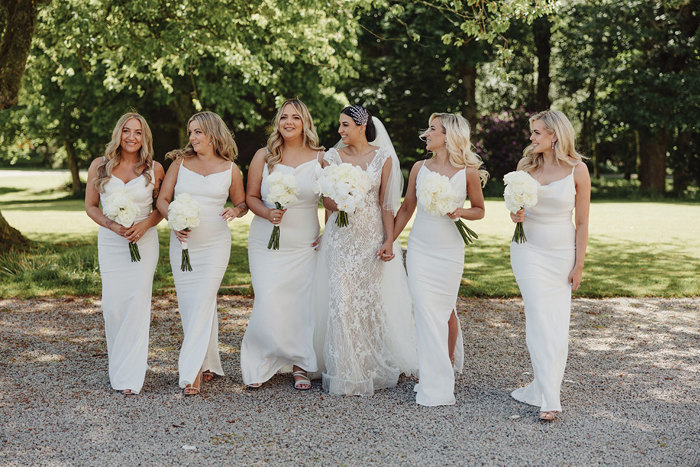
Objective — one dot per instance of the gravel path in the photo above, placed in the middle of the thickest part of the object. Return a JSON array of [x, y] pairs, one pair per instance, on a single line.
[[630, 396]]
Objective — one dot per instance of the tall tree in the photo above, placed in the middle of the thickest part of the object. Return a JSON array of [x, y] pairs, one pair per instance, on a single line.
[[18, 21]]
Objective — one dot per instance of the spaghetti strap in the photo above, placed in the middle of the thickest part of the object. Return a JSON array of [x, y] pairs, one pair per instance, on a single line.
[[574, 168]]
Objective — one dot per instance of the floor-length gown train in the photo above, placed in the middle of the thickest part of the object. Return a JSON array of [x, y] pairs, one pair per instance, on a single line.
[[541, 267], [127, 288], [435, 264], [209, 247], [280, 330]]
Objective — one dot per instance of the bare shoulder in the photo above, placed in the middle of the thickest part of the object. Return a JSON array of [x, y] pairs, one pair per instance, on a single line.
[[95, 163], [521, 164], [581, 168], [158, 167], [260, 154], [471, 172]]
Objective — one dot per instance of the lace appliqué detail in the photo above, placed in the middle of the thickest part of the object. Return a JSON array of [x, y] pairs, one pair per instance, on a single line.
[[356, 354]]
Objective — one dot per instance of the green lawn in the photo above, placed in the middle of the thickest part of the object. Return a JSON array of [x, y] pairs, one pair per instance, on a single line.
[[635, 249]]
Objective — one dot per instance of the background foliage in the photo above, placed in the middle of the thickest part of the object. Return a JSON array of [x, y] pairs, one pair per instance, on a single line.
[[625, 71]]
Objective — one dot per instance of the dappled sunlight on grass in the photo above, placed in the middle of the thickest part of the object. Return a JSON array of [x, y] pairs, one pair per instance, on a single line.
[[635, 248]]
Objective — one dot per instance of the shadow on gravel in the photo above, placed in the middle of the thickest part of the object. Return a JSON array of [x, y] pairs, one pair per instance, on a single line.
[[629, 395]]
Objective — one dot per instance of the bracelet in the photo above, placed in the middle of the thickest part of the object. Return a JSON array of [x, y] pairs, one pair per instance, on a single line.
[[109, 224]]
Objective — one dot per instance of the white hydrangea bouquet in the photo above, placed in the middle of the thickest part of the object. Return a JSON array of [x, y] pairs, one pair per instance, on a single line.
[[520, 192], [120, 208], [346, 184], [283, 192], [183, 214], [435, 194]]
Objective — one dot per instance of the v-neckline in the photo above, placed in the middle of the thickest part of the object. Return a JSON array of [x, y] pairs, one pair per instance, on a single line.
[[376, 152], [443, 175], [205, 176]]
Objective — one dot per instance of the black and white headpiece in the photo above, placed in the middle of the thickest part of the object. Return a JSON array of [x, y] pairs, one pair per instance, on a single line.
[[358, 114]]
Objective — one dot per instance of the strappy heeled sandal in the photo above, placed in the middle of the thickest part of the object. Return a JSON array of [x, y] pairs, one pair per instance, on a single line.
[[547, 416], [195, 388], [303, 383]]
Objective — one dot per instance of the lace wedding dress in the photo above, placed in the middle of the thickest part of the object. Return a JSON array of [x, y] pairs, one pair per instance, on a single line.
[[357, 352]]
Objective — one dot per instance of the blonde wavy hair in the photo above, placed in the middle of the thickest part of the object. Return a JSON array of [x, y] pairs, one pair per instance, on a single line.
[[458, 143], [276, 141], [556, 123], [214, 127], [113, 152]]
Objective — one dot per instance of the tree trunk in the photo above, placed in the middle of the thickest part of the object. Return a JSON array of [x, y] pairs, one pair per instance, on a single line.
[[542, 32], [20, 19], [682, 171], [77, 188], [468, 73], [588, 129], [10, 237], [652, 171]]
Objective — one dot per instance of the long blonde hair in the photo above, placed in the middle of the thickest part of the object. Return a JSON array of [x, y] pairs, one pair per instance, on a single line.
[[557, 124], [214, 127], [458, 143], [275, 141], [113, 152]]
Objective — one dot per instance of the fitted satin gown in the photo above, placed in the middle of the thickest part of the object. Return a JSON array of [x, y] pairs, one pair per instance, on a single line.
[[541, 267], [209, 248], [280, 331], [435, 264], [126, 289]]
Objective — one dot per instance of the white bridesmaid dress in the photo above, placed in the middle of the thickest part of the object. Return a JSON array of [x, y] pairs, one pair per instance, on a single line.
[[435, 264], [280, 331], [541, 267], [209, 247], [127, 288]]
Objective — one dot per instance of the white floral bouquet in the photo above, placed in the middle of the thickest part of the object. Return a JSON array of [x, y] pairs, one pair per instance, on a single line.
[[183, 214], [120, 208], [283, 192], [435, 194], [520, 192], [346, 184]]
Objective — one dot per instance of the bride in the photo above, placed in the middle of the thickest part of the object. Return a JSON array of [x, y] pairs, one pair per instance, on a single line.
[[365, 334]]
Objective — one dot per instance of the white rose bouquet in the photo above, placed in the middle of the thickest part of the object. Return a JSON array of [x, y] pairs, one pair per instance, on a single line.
[[183, 214], [346, 184], [120, 208], [521, 191], [283, 192], [437, 197]]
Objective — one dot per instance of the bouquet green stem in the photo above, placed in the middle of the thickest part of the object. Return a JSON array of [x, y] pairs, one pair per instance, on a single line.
[[342, 220], [519, 234], [134, 252], [185, 264], [468, 235], [274, 242]]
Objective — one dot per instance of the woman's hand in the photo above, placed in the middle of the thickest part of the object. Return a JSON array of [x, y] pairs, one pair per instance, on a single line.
[[518, 216], [136, 231], [117, 228], [317, 243], [575, 277], [329, 204], [385, 253], [275, 215], [230, 213], [182, 235], [456, 214]]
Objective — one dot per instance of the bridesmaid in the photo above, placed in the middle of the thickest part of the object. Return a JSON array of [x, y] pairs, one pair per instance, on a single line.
[[204, 169], [280, 332], [550, 264], [435, 257], [126, 286]]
